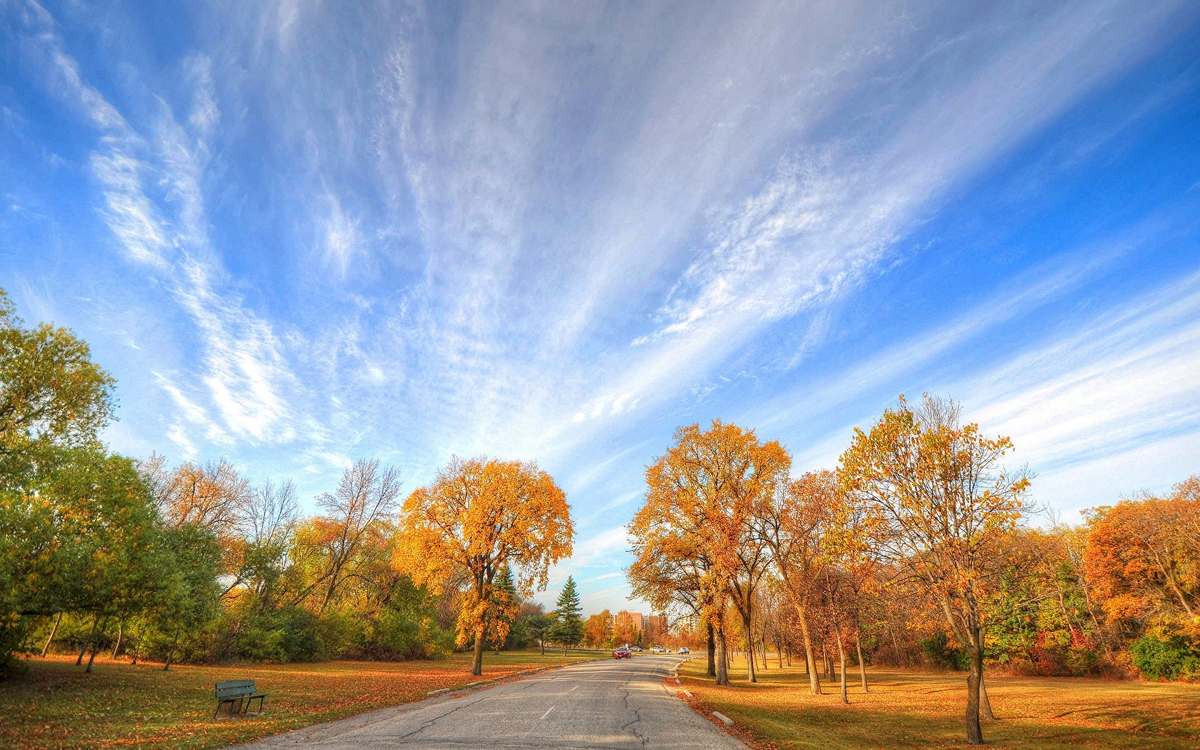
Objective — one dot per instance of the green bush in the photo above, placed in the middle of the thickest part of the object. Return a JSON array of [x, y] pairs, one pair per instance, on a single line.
[[941, 654], [1170, 658]]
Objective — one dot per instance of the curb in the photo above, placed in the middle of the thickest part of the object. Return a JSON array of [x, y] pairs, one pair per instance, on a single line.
[[438, 692], [728, 721]]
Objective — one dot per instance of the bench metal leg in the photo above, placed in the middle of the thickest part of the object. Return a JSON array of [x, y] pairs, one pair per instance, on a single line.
[[260, 699], [216, 714]]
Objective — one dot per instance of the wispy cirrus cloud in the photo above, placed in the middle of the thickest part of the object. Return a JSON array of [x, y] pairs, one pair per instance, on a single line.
[[154, 204]]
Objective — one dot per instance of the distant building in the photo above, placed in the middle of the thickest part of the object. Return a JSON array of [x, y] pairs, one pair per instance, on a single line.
[[639, 622]]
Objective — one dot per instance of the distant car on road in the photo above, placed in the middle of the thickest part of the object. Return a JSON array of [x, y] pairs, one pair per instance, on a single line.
[[659, 650], [684, 650], [622, 653], [635, 648]]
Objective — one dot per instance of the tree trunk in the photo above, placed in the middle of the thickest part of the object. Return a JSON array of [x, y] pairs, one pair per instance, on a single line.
[[842, 676], [477, 659], [120, 635], [862, 665], [896, 646], [171, 653], [974, 682], [53, 630], [722, 658], [88, 641], [985, 705], [92, 658], [712, 652], [810, 657], [137, 647], [542, 643], [750, 676]]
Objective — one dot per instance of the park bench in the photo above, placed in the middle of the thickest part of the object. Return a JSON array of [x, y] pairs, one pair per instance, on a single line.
[[239, 694]]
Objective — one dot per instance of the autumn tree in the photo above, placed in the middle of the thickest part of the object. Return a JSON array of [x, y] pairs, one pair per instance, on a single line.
[[625, 629], [793, 525], [355, 517], [1144, 555], [479, 515], [669, 565], [212, 495], [700, 499], [936, 504], [599, 629]]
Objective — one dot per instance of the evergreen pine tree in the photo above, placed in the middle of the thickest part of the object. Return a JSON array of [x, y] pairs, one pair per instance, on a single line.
[[568, 622], [505, 603]]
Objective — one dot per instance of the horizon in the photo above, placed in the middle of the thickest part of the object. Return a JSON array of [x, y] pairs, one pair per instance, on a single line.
[[300, 236]]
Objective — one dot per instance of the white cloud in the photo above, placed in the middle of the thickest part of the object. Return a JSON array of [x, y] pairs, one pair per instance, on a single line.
[[244, 369]]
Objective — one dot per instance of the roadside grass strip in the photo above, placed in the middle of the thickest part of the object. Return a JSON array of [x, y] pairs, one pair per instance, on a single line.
[[57, 705], [911, 709]]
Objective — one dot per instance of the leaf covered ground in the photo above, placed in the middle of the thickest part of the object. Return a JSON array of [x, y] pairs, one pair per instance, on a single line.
[[57, 705], [924, 710]]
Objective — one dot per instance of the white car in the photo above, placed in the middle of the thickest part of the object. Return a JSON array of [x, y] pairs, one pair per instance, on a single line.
[[684, 650]]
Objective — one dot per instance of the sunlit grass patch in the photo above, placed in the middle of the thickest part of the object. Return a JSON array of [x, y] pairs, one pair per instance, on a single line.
[[57, 705], [918, 710]]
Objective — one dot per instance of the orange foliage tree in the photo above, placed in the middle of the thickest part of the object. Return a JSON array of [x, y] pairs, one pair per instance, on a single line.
[[793, 525], [1144, 557], [477, 516], [936, 507], [701, 496], [599, 629]]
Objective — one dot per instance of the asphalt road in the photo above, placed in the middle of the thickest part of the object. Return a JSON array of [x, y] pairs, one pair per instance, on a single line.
[[602, 704]]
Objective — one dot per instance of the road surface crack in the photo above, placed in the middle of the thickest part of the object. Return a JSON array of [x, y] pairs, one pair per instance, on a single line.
[[637, 713], [427, 724]]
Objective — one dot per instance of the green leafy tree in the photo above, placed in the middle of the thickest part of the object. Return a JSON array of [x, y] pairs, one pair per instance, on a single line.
[[53, 399], [51, 394], [83, 540], [540, 627], [568, 622], [189, 592]]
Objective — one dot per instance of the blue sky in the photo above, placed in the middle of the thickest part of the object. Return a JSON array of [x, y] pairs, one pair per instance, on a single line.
[[300, 233]]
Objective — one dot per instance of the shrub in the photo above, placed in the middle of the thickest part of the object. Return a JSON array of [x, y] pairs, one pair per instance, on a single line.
[[941, 654], [1169, 658]]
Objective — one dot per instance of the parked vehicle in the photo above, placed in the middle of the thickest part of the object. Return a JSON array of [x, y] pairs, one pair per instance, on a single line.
[[659, 650], [635, 648], [684, 650], [622, 653]]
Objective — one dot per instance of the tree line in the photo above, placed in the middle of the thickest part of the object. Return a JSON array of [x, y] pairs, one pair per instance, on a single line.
[[194, 562], [917, 548]]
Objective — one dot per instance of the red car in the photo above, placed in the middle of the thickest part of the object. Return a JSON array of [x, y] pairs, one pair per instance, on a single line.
[[622, 653]]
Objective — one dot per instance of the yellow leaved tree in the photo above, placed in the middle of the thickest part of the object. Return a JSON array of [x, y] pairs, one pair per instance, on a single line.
[[694, 536], [932, 502], [477, 516]]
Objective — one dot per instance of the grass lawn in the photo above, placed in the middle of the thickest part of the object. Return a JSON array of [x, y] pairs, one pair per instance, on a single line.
[[920, 710], [56, 705]]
